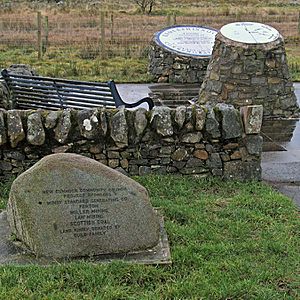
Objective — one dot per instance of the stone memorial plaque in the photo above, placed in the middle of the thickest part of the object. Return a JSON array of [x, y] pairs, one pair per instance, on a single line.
[[250, 32], [187, 39], [68, 205]]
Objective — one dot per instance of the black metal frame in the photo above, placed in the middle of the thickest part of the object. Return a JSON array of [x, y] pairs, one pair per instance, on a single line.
[[56, 93]]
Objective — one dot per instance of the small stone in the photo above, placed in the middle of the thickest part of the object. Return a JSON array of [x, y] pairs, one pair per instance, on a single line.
[[194, 162], [95, 149], [88, 122], [214, 161], [119, 128], [179, 154], [242, 170], [5, 166], [35, 130], [144, 170], [254, 144], [61, 149], [124, 163], [161, 120], [3, 135], [180, 112], [230, 146], [212, 125], [15, 129], [63, 127], [192, 138], [200, 116], [140, 121], [252, 118], [236, 155], [113, 163], [201, 154], [231, 121], [51, 119]]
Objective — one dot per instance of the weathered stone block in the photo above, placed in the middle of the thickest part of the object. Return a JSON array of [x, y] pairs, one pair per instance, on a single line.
[[231, 121], [179, 154], [161, 120], [3, 135], [63, 126], [88, 122], [35, 129], [71, 206], [254, 144], [15, 129], [119, 128], [242, 170], [252, 117]]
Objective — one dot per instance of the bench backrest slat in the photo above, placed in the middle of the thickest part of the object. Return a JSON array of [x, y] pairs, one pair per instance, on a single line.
[[57, 93]]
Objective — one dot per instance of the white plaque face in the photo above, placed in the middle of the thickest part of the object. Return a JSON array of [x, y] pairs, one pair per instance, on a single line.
[[188, 39], [250, 32]]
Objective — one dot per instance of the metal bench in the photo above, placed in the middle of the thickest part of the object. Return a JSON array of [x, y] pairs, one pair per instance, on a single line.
[[29, 92]]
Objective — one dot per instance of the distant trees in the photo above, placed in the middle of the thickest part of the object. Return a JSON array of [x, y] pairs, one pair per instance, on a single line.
[[145, 6]]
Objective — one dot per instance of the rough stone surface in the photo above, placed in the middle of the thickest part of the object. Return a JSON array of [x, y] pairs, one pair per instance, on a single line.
[[161, 121], [254, 144], [200, 115], [68, 205], [252, 118], [15, 129], [141, 121], [166, 66], [119, 128], [63, 127], [51, 119], [35, 129], [3, 135], [244, 74], [180, 112], [231, 121], [212, 124], [242, 170], [88, 122]]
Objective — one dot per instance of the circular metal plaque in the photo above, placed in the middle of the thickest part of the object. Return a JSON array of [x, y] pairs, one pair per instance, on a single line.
[[250, 32], [187, 39]]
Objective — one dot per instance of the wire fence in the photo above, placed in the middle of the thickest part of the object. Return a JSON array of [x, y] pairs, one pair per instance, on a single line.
[[110, 34]]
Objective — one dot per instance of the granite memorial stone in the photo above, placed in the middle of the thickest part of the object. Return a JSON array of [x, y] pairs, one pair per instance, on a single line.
[[68, 205]]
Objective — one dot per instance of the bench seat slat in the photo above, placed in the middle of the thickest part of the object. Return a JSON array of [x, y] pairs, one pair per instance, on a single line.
[[66, 102], [63, 95]]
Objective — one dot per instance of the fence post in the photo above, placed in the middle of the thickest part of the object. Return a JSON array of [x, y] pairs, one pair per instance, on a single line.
[[174, 19], [102, 34], [39, 35], [299, 23], [112, 27], [169, 20], [46, 34]]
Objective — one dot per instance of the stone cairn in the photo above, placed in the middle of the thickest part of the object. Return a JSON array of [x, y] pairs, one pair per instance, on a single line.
[[245, 74], [170, 67]]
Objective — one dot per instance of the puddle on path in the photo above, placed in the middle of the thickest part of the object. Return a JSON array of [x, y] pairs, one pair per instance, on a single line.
[[282, 135]]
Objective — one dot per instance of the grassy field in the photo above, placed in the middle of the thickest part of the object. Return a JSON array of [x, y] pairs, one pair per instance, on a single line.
[[228, 240], [73, 39]]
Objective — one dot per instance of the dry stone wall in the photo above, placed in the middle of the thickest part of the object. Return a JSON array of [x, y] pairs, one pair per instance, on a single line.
[[200, 140]]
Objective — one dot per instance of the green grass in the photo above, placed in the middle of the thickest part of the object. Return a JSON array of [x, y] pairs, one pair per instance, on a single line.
[[64, 63], [228, 240]]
